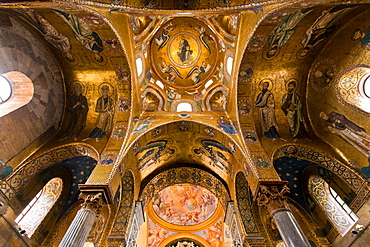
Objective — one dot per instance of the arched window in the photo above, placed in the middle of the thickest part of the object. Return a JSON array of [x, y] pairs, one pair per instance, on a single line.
[[16, 90], [38, 208], [184, 106], [5, 89], [334, 207], [353, 88]]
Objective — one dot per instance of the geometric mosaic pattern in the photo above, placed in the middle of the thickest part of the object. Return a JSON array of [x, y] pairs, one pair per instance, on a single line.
[[180, 175], [353, 178], [243, 195], [20, 177], [122, 220]]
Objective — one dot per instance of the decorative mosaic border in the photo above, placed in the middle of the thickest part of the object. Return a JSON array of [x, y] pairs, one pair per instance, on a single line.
[[181, 175], [22, 174], [352, 177]]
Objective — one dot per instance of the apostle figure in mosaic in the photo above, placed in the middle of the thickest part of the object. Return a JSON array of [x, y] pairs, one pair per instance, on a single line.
[[78, 108], [104, 106], [266, 112], [292, 107]]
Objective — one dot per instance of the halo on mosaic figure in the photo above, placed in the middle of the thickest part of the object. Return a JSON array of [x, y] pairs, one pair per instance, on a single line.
[[269, 81], [111, 89], [73, 84], [290, 81]]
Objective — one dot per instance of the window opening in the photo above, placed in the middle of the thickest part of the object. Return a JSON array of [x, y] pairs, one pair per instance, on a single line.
[[39, 207], [5, 89], [332, 204]]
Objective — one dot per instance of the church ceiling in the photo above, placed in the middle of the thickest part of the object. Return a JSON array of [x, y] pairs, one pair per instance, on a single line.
[[255, 76]]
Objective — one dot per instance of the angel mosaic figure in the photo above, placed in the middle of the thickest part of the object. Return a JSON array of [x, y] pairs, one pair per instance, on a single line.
[[172, 72], [196, 71], [58, 40], [83, 33]]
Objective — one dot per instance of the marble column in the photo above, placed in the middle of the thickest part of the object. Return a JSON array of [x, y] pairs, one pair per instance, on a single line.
[[271, 196], [232, 222], [137, 220], [81, 225]]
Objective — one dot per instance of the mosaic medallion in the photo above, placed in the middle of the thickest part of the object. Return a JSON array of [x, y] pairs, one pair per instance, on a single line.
[[184, 53]]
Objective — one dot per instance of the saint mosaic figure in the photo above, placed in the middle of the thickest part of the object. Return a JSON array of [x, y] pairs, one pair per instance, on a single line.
[[58, 40], [104, 106], [78, 108], [363, 36], [347, 130], [322, 27], [292, 107], [83, 33], [266, 112], [226, 125], [261, 163], [285, 29], [196, 71], [185, 51]]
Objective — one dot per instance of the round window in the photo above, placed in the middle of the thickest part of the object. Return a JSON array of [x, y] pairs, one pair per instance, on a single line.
[[366, 86], [5, 89]]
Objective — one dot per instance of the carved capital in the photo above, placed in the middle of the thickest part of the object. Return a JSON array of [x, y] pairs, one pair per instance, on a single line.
[[93, 202], [271, 195]]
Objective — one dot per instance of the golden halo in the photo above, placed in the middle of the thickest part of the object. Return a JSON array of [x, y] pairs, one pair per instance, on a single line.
[[292, 80], [102, 55], [111, 89], [267, 56], [270, 82], [72, 87]]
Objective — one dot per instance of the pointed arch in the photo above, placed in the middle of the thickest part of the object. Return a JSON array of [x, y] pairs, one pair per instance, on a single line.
[[337, 211], [33, 214]]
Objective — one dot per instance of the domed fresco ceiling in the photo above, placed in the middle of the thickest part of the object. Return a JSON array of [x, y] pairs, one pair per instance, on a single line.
[[184, 52], [184, 204]]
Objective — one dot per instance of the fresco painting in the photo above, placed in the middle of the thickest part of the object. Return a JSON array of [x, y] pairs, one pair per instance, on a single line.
[[185, 204], [213, 234], [156, 234]]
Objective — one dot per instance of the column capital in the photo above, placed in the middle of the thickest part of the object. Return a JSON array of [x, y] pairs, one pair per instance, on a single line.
[[271, 194], [93, 202]]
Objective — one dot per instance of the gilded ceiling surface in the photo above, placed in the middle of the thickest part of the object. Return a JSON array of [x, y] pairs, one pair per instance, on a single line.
[[185, 100]]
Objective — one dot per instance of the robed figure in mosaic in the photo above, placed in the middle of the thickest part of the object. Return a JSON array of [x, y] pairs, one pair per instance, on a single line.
[[78, 108], [104, 106], [292, 107], [347, 130], [266, 112]]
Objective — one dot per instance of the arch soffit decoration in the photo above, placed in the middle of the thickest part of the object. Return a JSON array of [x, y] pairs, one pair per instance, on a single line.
[[23, 173], [181, 175], [349, 175], [147, 136]]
